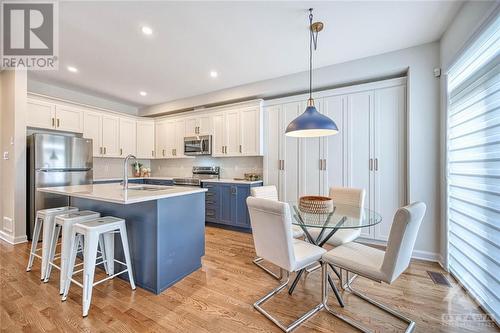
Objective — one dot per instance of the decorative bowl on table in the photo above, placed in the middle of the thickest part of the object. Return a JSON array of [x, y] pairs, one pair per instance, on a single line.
[[316, 204]]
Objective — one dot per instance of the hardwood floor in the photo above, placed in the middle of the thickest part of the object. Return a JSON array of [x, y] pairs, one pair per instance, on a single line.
[[219, 298]]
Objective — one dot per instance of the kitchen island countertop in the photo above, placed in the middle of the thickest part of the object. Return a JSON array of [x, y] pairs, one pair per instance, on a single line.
[[116, 194]]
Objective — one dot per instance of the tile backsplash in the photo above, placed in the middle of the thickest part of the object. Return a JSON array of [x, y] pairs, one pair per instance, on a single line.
[[113, 167], [231, 167]]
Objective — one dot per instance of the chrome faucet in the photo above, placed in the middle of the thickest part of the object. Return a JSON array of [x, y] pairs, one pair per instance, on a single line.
[[125, 170]]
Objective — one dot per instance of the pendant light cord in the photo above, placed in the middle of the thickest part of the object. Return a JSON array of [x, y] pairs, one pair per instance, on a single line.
[[310, 52]]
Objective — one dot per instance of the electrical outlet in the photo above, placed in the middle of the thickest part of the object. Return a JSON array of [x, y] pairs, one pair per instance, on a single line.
[[7, 224], [5, 155]]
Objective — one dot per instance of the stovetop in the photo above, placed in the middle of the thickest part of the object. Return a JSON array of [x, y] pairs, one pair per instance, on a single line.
[[199, 173]]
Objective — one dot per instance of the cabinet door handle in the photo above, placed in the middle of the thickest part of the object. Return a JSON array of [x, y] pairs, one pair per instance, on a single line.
[[233, 190], [175, 152], [371, 164], [282, 164], [100, 150], [240, 149], [104, 150], [58, 122], [223, 149], [121, 151], [152, 153], [376, 164], [324, 164]]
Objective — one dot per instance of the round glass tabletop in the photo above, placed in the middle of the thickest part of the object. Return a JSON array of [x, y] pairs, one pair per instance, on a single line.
[[342, 217]]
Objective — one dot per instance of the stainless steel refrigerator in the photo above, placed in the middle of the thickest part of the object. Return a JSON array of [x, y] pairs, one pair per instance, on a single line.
[[55, 160]]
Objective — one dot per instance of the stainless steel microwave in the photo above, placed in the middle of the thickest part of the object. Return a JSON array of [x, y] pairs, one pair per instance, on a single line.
[[198, 145]]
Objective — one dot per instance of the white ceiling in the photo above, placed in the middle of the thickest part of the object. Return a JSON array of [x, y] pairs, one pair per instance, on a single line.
[[243, 41]]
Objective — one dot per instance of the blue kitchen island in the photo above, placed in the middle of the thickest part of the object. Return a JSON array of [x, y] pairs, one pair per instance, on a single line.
[[165, 227]]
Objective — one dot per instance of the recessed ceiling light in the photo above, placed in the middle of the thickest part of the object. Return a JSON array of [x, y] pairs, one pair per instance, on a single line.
[[72, 69], [214, 74], [147, 30], [143, 93]]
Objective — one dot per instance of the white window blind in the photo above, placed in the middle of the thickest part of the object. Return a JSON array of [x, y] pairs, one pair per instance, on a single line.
[[473, 169]]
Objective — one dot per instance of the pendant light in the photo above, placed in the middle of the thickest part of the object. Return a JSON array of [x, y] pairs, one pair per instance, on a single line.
[[311, 123]]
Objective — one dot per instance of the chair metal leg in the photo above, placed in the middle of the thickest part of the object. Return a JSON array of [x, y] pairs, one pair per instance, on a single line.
[[296, 323], [411, 323], [257, 261], [311, 268], [324, 288]]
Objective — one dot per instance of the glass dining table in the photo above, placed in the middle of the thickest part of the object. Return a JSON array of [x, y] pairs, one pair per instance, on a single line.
[[341, 217]]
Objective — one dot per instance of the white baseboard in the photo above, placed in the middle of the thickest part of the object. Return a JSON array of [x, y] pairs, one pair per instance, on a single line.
[[11, 239], [417, 254]]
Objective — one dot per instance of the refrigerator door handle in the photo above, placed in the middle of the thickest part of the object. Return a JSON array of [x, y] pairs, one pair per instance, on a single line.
[[63, 170]]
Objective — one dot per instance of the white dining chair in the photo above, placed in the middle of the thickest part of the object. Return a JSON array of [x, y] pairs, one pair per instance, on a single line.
[[353, 198], [377, 265], [272, 235], [271, 193]]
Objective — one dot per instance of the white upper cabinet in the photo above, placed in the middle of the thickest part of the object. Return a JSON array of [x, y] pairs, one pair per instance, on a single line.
[[180, 133], [218, 133], [170, 135], [163, 130], [251, 132], [145, 143], [111, 136], [232, 133], [127, 136], [92, 129], [198, 125], [41, 114], [237, 132], [69, 119]]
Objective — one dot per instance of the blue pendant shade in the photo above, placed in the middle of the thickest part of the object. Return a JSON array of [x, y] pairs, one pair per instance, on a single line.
[[311, 123]]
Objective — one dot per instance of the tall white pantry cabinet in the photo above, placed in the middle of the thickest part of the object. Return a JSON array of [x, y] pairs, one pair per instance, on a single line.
[[368, 152]]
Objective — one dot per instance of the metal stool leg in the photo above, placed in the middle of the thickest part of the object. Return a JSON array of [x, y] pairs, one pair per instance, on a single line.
[[52, 251], [89, 255], [34, 242], [126, 252]]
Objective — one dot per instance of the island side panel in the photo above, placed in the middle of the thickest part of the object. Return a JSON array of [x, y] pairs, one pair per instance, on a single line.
[[181, 237], [141, 221]]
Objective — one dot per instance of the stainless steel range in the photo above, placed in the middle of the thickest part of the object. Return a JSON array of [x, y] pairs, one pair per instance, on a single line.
[[199, 173]]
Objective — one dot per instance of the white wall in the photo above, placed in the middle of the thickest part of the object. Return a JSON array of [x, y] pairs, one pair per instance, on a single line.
[[13, 132], [77, 96], [462, 29], [231, 167]]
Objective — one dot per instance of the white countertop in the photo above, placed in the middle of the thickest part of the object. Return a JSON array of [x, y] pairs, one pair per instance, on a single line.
[[130, 178], [115, 193], [231, 181]]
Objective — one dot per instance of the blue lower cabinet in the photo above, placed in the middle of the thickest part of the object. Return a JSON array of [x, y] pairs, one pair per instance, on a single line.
[[225, 204]]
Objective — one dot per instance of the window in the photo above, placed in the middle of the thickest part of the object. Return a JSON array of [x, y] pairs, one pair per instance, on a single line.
[[473, 169]]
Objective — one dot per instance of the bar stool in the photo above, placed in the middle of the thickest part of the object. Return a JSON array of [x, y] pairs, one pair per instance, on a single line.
[[88, 234], [63, 224], [45, 219]]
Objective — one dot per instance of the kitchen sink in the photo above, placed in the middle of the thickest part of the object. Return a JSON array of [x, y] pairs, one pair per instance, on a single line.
[[148, 188]]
